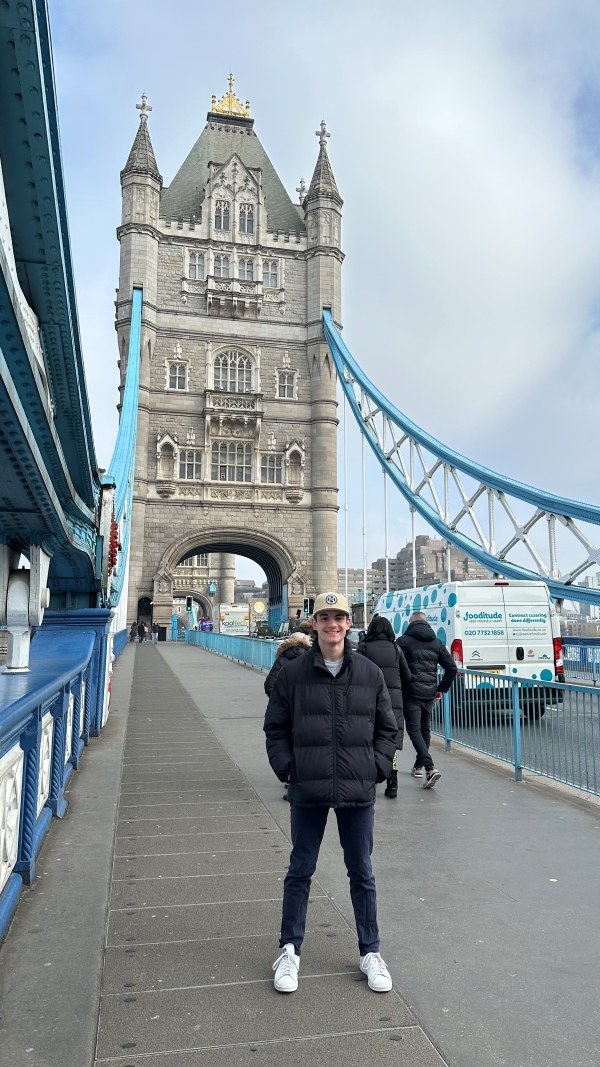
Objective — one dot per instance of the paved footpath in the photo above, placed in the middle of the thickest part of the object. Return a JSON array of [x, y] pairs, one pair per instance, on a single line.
[[488, 901], [195, 906]]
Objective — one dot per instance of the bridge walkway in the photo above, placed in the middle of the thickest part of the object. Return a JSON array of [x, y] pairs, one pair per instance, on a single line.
[[487, 899]]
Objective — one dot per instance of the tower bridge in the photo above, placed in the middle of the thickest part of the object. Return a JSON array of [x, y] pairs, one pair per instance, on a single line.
[[228, 321]]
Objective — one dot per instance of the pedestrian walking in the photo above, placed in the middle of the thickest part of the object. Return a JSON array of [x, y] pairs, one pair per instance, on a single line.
[[424, 651], [155, 633], [141, 632], [330, 728], [288, 650], [133, 631], [379, 645]]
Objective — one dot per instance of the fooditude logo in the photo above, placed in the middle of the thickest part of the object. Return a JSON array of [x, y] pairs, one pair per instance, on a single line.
[[482, 615]]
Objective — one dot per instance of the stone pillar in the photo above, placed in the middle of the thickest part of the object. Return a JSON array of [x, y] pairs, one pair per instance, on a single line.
[[323, 210], [227, 578]]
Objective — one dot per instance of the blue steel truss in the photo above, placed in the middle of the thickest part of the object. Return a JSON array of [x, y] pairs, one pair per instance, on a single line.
[[431, 477], [122, 465]]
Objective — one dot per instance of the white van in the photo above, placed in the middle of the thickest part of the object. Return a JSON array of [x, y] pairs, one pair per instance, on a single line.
[[500, 626]]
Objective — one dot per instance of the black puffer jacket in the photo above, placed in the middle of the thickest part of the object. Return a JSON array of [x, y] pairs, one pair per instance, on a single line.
[[291, 648], [423, 651], [386, 655], [334, 737]]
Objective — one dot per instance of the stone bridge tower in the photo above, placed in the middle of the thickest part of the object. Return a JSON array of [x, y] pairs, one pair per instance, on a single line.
[[236, 449]]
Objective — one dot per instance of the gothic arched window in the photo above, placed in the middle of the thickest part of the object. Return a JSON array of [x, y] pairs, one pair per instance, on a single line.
[[246, 270], [231, 462], [270, 273], [233, 372], [196, 269], [222, 215], [286, 385], [270, 469], [177, 375], [246, 218], [190, 464], [221, 266]]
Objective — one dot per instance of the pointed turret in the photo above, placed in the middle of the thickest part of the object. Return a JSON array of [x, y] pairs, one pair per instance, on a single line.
[[141, 158], [323, 182]]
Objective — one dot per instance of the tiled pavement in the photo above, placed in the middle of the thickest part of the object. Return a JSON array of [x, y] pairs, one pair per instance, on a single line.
[[195, 906]]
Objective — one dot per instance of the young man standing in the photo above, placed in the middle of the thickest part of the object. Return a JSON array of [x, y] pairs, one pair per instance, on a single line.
[[423, 652], [331, 732]]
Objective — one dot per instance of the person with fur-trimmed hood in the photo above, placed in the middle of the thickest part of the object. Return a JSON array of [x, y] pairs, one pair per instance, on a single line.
[[290, 649]]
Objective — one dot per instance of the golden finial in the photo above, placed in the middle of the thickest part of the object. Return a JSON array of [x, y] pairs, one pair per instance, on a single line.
[[230, 105]]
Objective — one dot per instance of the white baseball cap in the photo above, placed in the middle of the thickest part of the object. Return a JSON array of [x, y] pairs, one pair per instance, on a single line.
[[331, 602]]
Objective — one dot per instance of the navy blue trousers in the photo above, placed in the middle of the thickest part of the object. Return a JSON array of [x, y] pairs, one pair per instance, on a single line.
[[355, 828]]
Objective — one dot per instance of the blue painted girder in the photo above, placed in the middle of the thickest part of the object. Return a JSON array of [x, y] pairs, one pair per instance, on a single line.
[[555, 505]]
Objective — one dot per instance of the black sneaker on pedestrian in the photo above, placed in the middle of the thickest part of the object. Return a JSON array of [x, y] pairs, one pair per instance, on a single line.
[[432, 777], [417, 772], [392, 785]]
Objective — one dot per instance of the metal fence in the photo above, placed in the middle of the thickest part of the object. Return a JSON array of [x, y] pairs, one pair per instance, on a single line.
[[581, 657], [548, 728], [250, 650]]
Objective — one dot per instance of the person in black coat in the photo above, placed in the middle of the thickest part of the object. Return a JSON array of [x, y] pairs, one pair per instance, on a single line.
[[288, 650], [379, 646], [424, 651], [330, 728]]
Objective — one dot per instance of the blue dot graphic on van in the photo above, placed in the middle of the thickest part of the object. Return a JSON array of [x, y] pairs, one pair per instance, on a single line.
[[425, 601], [441, 634], [405, 626], [515, 670], [407, 612], [534, 675], [417, 602], [389, 600], [396, 624], [452, 600], [434, 596], [400, 599], [546, 676], [425, 587], [440, 586], [444, 613]]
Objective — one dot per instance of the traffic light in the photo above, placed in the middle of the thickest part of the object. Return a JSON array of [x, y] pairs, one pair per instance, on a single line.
[[188, 603], [308, 605]]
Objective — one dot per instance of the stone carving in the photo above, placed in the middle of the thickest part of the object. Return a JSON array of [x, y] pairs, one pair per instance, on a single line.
[[190, 490], [224, 287], [270, 494], [166, 489], [11, 781], [231, 494], [294, 494], [69, 728], [231, 403], [45, 766]]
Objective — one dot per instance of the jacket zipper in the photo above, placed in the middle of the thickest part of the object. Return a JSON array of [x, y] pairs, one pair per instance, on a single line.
[[335, 784]]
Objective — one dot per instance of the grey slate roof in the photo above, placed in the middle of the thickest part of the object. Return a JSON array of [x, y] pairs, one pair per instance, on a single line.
[[323, 182], [141, 158], [219, 140]]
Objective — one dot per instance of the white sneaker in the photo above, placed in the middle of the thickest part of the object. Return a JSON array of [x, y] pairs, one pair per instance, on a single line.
[[286, 969], [378, 976]]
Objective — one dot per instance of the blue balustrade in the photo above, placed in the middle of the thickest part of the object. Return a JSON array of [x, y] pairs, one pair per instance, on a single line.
[[581, 657], [47, 716], [548, 728], [249, 650]]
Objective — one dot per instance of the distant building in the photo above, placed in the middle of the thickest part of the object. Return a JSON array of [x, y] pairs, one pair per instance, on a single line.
[[375, 584], [431, 564], [590, 611]]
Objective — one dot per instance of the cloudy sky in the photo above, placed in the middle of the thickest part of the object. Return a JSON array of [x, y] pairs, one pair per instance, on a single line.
[[465, 140]]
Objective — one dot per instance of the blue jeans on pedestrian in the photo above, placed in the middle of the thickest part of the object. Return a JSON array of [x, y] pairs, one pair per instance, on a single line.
[[355, 829]]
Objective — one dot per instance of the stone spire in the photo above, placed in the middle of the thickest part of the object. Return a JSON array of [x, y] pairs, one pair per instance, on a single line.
[[323, 182], [141, 158]]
